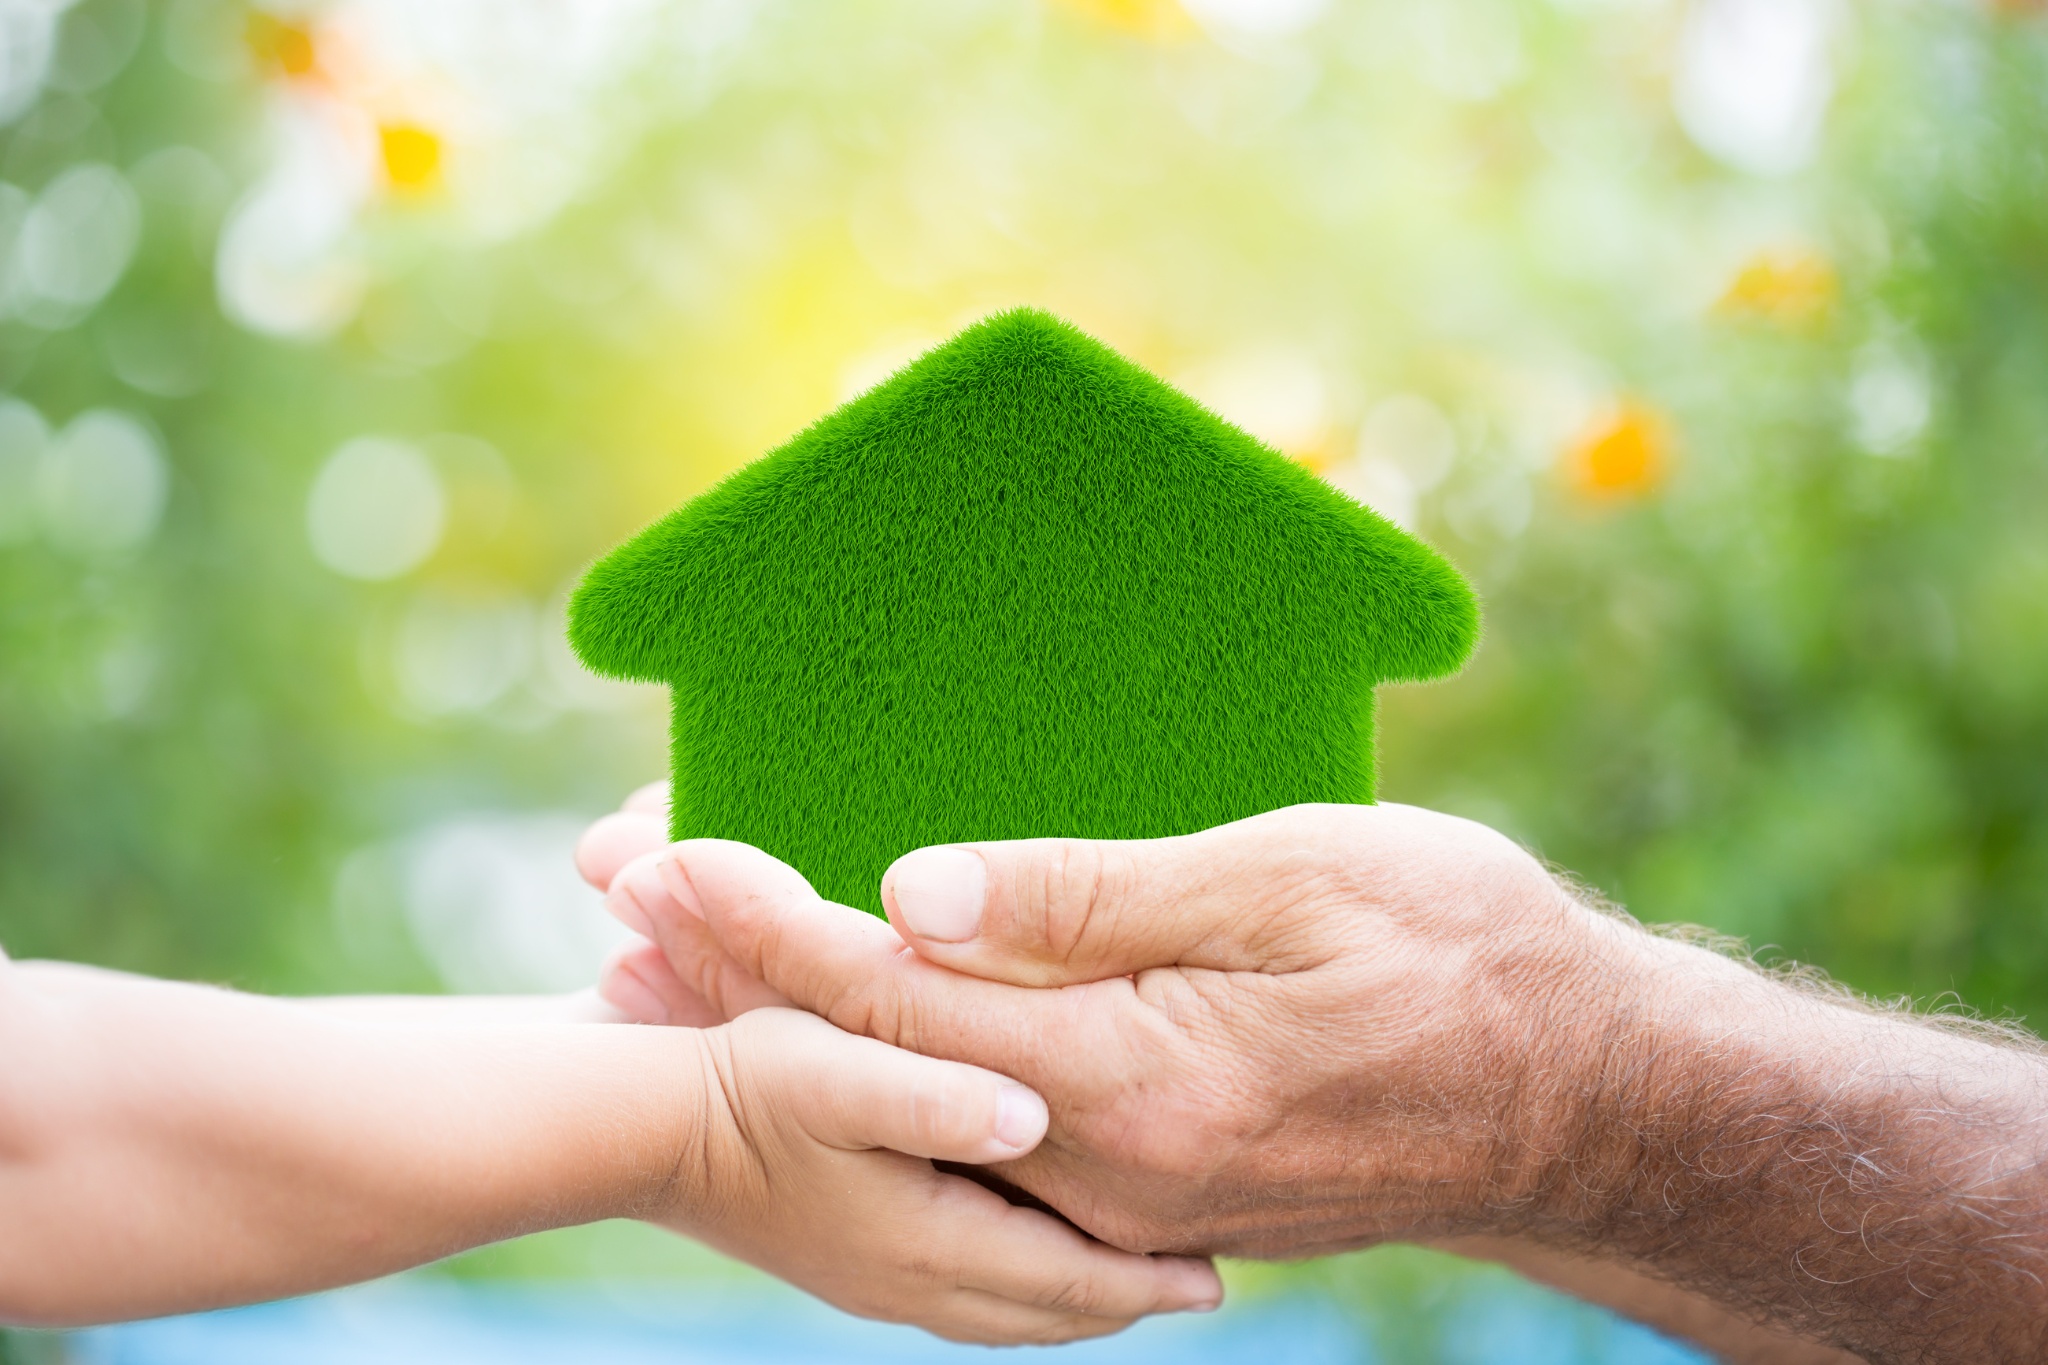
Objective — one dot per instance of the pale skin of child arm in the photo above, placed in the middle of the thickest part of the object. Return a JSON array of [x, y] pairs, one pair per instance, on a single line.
[[166, 1148]]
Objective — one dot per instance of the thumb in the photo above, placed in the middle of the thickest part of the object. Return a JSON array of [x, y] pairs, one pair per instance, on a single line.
[[857, 1093], [1053, 912]]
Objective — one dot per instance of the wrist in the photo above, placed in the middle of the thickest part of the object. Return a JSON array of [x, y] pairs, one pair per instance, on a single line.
[[665, 1176], [1560, 987], [1700, 1077], [1668, 1030]]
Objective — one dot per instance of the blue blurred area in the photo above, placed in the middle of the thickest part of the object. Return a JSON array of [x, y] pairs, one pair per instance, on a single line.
[[446, 1323]]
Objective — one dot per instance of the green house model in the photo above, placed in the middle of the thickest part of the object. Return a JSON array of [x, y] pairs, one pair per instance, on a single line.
[[1022, 588]]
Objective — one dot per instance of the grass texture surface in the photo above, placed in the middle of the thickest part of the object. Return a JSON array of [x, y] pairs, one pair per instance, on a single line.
[[1022, 588]]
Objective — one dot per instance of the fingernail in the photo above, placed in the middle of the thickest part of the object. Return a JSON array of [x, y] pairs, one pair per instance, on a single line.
[[1020, 1117], [677, 881], [939, 893], [1205, 1290], [628, 903]]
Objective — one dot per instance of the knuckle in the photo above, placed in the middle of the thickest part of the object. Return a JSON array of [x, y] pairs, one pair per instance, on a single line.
[[939, 1117], [874, 1007], [1073, 1294], [908, 1021], [1056, 903], [750, 938], [919, 1260], [709, 979], [923, 1266], [1071, 906], [859, 1014]]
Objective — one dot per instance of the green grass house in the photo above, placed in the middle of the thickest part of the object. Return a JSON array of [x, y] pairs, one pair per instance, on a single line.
[[1021, 588]]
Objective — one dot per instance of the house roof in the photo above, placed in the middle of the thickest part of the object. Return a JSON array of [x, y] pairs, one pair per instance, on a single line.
[[1023, 446]]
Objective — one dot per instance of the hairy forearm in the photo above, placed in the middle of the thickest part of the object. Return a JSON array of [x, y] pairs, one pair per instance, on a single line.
[[1733, 1336], [167, 1147], [1867, 1180]]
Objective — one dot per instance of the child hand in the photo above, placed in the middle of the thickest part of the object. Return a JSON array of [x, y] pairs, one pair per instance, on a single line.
[[815, 1162], [892, 1237]]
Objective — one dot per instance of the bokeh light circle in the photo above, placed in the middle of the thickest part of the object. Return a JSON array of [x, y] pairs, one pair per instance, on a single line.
[[376, 509]]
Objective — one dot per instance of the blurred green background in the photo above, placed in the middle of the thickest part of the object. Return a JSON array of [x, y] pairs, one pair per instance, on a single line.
[[1709, 338]]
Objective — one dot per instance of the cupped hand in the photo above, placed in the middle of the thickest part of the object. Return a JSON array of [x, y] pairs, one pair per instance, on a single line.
[[825, 1147], [818, 1152], [1314, 1029]]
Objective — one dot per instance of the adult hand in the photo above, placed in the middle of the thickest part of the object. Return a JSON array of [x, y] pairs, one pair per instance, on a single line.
[[1330, 1026]]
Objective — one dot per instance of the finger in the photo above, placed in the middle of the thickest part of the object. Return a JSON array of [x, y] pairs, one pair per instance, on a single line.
[[615, 840], [1044, 912], [1035, 1259], [863, 1094], [639, 983], [848, 966], [651, 799], [978, 1318], [693, 959], [635, 895]]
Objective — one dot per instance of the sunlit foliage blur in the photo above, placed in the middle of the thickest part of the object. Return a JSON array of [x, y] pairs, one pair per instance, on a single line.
[[1709, 338]]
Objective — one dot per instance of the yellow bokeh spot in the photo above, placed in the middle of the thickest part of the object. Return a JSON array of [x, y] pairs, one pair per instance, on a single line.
[[1624, 453], [281, 46], [412, 155], [1159, 19], [1318, 459], [1788, 288]]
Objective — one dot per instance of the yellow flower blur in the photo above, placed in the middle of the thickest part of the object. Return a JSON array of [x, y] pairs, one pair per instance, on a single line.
[[280, 46], [1624, 453], [411, 154], [1791, 289], [1159, 19]]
